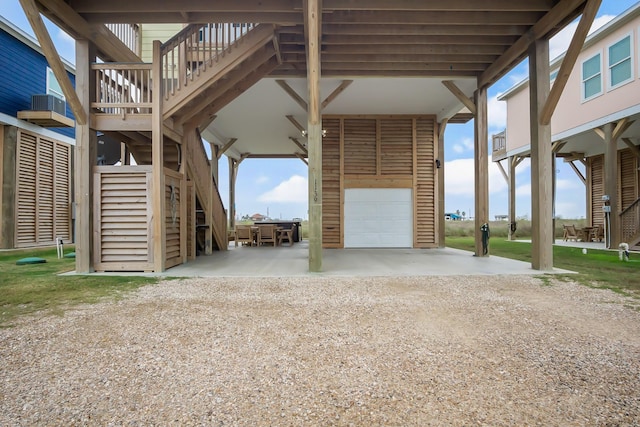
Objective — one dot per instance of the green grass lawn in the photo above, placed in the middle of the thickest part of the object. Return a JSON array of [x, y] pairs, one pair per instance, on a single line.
[[596, 268], [26, 289]]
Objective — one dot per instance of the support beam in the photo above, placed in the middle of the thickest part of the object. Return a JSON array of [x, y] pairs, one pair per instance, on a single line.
[[226, 146], [460, 95], [157, 167], [440, 184], [214, 162], [481, 163], [611, 184], [335, 93], [301, 157], [502, 171], [233, 175], [570, 57], [312, 21], [297, 125], [634, 148], [621, 127], [292, 93], [85, 159], [541, 159], [578, 173], [511, 185], [50, 52], [300, 146]]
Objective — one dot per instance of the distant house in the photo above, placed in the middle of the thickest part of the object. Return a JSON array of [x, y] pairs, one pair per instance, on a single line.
[[452, 217], [258, 217], [37, 133]]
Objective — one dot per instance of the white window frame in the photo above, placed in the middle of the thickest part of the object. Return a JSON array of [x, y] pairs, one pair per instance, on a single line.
[[582, 79], [50, 90], [631, 59]]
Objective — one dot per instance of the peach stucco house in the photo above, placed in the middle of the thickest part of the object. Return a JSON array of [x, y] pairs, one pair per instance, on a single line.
[[596, 124]]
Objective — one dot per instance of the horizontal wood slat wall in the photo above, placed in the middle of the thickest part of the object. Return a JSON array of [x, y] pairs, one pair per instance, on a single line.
[[43, 193], [628, 171], [379, 152], [123, 233]]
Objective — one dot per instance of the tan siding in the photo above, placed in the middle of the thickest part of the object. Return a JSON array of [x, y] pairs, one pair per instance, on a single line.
[[425, 191], [43, 191], [122, 217], [628, 170], [396, 146], [360, 146], [331, 193], [173, 199]]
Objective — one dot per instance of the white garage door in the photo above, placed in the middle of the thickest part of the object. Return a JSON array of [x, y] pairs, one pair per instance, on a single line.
[[378, 218]]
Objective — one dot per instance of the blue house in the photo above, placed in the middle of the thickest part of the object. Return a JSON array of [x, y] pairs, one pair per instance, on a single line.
[[36, 142]]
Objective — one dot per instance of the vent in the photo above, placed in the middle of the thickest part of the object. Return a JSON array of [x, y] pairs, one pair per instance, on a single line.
[[48, 103]]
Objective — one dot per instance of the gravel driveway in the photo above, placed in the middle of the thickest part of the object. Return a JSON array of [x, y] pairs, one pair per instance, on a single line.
[[417, 351]]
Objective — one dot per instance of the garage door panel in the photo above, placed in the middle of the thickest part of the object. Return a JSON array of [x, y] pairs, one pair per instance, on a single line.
[[378, 217]]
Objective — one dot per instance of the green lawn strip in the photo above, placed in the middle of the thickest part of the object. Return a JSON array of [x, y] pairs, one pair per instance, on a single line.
[[27, 289], [596, 268]]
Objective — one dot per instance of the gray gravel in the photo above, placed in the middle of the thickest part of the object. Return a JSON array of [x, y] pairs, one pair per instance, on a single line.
[[417, 351]]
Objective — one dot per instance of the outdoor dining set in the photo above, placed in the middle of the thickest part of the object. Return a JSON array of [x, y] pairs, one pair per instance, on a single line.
[[265, 234], [584, 234]]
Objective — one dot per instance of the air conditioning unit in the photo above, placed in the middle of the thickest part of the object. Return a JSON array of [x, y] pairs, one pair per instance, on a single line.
[[48, 103]]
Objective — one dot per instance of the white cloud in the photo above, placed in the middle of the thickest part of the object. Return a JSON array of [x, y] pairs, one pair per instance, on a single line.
[[496, 114], [560, 42], [459, 178], [262, 179], [523, 190], [466, 144], [295, 190]]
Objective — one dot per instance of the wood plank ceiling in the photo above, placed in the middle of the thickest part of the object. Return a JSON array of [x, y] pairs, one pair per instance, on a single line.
[[363, 38]]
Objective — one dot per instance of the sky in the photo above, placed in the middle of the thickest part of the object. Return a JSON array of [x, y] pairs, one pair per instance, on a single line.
[[278, 188]]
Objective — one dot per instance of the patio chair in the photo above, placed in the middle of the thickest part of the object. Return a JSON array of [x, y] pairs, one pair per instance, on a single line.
[[570, 233], [244, 235], [286, 234], [598, 232], [267, 234]]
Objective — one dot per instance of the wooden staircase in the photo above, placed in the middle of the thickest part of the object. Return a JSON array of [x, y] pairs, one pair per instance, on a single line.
[[204, 67]]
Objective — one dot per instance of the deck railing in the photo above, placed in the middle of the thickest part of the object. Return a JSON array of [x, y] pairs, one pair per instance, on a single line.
[[499, 142], [129, 34], [122, 88], [196, 48], [630, 221]]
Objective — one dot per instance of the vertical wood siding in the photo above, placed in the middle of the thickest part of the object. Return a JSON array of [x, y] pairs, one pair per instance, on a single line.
[[43, 193], [173, 200], [331, 184], [596, 184], [628, 171], [379, 152], [425, 185]]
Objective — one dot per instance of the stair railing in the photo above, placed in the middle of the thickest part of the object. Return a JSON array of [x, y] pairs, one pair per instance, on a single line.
[[630, 221], [194, 49]]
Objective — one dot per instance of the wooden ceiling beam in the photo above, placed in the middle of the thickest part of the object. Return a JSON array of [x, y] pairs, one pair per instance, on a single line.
[[417, 66], [341, 74], [160, 17], [402, 49], [394, 58], [141, 6], [416, 30], [365, 39], [445, 17], [545, 27]]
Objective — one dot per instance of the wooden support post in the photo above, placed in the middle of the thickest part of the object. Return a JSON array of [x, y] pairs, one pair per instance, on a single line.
[[541, 159], [214, 162], [440, 185], [157, 165], [85, 159], [611, 184], [511, 185], [481, 163], [233, 174], [313, 14]]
